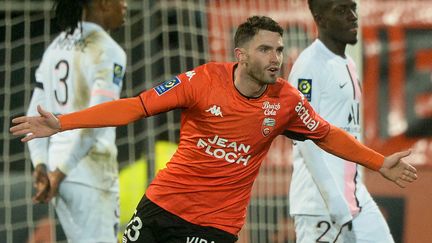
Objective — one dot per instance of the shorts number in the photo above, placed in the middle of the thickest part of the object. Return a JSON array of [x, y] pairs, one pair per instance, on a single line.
[[134, 227], [323, 224], [62, 80]]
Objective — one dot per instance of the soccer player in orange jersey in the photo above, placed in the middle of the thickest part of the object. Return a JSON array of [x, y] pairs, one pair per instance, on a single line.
[[231, 112]]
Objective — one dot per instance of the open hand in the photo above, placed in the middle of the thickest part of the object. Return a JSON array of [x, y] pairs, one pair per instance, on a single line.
[[397, 170], [36, 126]]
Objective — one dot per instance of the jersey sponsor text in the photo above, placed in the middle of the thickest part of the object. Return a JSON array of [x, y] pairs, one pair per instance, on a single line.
[[270, 109], [197, 240], [305, 117], [217, 147]]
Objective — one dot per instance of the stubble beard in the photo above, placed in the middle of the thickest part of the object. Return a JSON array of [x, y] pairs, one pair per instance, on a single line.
[[260, 76]]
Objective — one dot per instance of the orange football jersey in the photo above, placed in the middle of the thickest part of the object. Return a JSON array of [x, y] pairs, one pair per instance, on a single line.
[[224, 137]]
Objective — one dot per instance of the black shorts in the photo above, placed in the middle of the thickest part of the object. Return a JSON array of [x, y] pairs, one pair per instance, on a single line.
[[151, 223]]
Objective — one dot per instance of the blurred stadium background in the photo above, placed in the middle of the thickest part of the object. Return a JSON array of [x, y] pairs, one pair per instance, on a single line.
[[165, 37]]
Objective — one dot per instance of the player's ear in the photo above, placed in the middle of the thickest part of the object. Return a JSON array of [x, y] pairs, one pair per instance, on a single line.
[[240, 54]]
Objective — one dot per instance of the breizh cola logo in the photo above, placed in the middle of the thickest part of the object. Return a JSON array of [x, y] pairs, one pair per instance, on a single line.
[[270, 109]]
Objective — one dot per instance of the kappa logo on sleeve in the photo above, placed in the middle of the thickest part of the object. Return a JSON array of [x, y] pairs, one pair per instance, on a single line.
[[305, 87], [117, 74], [166, 86]]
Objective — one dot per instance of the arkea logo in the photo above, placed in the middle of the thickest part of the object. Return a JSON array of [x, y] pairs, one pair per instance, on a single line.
[[215, 110], [305, 117]]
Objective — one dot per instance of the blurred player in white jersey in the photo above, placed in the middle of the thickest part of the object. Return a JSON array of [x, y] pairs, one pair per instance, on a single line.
[[328, 199], [82, 67]]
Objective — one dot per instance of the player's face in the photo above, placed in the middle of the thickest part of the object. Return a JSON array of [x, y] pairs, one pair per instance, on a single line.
[[339, 21], [117, 14], [264, 56]]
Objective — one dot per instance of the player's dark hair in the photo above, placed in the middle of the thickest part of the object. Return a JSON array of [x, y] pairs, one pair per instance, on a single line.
[[317, 6], [246, 31], [68, 13]]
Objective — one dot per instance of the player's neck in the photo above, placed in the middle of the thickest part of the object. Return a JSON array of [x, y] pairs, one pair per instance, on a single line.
[[337, 48], [94, 17], [246, 85]]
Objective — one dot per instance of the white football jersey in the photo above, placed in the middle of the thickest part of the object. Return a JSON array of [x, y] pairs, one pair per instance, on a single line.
[[78, 71], [323, 183]]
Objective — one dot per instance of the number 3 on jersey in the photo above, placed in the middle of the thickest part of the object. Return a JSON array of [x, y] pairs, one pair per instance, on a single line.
[[62, 73], [133, 228]]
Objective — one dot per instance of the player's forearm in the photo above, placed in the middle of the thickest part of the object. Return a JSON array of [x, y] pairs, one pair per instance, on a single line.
[[109, 114], [340, 143], [38, 151], [38, 147]]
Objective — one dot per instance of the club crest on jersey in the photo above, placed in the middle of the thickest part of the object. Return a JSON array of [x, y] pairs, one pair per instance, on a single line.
[[267, 126], [166, 86], [117, 74], [305, 87]]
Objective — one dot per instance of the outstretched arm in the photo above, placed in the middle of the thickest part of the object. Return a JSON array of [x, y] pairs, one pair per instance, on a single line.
[[114, 113], [44, 125], [393, 167]]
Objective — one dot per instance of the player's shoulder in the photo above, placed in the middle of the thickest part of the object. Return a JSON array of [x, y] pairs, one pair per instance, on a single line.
[[212, 71], [282, 88], [217, 68], [311, 55], [51, 51], [313, 62], [55, 42], [97, 39]]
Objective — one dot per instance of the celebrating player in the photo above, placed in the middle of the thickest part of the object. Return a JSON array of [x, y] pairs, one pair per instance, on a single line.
[[327, 192], [82, 67], [231, 112]]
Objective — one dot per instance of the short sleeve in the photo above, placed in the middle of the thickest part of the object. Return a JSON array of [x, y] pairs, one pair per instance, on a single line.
[[305, 123], [106, 67], [305, 79]]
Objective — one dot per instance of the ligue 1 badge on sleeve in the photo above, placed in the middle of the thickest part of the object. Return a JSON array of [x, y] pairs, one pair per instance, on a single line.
[[267, 126], [166, 86], [117, 74], [305, 87]]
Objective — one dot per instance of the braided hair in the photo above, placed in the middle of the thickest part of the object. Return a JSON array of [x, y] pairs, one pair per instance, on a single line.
[[68, 13]]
